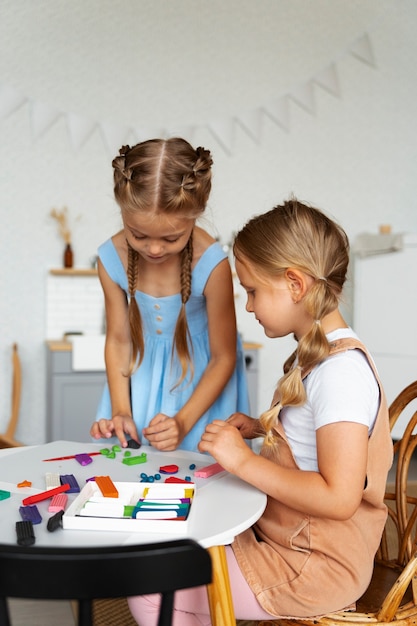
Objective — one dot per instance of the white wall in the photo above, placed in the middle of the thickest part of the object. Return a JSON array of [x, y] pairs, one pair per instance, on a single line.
[[130, 69]]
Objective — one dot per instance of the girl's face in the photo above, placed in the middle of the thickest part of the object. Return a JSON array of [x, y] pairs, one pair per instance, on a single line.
[[157, 237], [272, 301]]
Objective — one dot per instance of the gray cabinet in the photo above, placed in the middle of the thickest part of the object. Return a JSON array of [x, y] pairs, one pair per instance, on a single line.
[[72, 398]]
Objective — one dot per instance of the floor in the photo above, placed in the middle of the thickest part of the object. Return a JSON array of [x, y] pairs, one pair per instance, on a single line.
[[41, 613]]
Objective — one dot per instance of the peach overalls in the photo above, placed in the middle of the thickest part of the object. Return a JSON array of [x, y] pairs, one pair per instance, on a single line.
[[299, 565]]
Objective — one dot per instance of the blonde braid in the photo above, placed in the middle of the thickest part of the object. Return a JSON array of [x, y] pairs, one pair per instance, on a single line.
[[135, 319], [182, 337], [312, 348]]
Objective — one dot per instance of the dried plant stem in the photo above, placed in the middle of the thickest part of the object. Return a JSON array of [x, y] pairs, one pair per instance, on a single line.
[[62, 218]]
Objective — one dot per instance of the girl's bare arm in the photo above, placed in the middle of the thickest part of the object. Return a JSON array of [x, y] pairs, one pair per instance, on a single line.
[[335, 491], [117, 357], [222, 338]]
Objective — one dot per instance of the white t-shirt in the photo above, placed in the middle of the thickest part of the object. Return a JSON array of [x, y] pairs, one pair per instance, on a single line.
[[342, 388]]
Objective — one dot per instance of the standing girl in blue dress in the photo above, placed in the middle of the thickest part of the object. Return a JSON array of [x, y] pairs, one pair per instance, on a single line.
[[173, 357]]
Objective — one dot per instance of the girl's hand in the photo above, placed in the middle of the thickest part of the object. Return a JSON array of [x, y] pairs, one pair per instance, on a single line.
[[164, 433], [248, 427], [225, 443], [119, 426]]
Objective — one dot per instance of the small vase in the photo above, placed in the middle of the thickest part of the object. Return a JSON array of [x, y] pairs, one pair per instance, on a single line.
[[68, 256]]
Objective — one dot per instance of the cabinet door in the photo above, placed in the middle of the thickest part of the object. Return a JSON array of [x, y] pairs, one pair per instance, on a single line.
[[74, 403]]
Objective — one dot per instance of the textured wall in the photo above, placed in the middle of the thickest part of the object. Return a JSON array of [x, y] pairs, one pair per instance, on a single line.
[[133, 68]]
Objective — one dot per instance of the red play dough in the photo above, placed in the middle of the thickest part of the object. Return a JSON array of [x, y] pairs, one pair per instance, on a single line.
[[169, 469]]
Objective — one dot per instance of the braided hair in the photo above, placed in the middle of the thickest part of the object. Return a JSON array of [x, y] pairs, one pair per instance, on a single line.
[[162, 176]]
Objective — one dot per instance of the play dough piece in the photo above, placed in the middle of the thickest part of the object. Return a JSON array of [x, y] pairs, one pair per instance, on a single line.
[[169, 469]]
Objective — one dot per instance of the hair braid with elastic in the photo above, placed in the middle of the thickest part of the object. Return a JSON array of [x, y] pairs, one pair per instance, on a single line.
[[182, 337], [135, 319]]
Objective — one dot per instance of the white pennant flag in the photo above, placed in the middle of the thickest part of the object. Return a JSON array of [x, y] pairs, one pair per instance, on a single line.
[[114, 137], [79, 129], [42, 117], [303, 95], [223, 131], [10, 100], [279, 112], [251, 123], [328, 79], [362, 50]]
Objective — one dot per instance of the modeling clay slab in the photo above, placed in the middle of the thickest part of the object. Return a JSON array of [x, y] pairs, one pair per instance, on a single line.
[[52, 480], [4, 494], [55, 521], [165, 490], [69, 479], [107, 509], [30, 514], [58, 503], [209, 470], [107, 487], [25, 534], [134, 460]]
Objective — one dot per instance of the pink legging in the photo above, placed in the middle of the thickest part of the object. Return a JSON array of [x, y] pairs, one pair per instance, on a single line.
[[191, 606]]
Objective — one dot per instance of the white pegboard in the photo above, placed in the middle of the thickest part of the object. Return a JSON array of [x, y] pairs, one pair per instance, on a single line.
[[74, 304]]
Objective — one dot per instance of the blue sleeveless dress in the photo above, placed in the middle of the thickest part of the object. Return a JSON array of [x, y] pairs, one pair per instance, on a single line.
[[151, 385]]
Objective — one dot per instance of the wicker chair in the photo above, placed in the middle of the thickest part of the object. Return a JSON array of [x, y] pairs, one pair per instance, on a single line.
[[391, 597], [7, 439]]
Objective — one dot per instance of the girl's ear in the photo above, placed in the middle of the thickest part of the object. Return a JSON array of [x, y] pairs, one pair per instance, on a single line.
[[298, 283]]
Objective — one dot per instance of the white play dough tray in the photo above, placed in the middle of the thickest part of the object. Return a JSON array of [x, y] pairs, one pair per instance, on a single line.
[[129, 494]]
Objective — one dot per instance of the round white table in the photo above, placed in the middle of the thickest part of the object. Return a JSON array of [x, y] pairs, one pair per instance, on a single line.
[[223, 506]]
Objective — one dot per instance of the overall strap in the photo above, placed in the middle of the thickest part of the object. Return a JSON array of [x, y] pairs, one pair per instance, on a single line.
[[342, 345], [337, 346]]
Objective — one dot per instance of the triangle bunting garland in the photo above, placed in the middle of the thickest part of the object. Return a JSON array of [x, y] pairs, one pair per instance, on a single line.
[[10, 100], [362, 50], [43, 115], [328, 79], [303, 95], [79, 129], [251, 124]]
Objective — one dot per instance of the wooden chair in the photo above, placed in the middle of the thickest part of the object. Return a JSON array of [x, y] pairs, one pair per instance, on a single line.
[[7, 439], [391, 597], [84, 574]]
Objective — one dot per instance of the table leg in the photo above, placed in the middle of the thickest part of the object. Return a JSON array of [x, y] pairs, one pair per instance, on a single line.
[[219, 594]]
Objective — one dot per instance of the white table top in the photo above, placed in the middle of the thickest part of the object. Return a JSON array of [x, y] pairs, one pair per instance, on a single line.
[[223, 507]]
